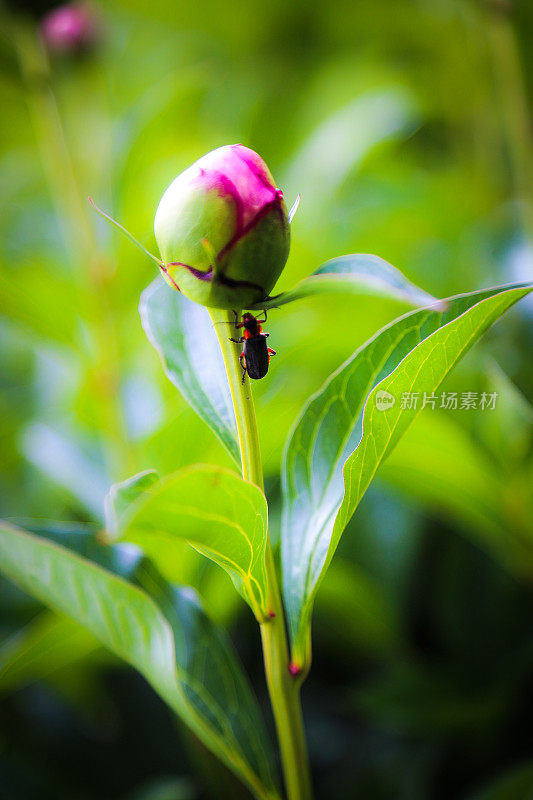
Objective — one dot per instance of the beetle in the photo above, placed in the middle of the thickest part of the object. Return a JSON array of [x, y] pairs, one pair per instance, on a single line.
[[255, 356]]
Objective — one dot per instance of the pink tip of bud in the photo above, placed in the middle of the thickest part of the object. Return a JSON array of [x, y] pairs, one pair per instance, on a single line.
[[272, 614], [69, 28], [294, 669]]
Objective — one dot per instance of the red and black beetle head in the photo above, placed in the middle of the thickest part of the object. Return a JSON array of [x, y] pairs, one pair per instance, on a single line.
[[250, 323]]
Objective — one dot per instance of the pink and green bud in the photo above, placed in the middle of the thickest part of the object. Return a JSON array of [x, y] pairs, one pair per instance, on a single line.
[[70, 28], [223, 230]]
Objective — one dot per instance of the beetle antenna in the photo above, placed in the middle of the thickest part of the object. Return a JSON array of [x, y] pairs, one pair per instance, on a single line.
[[294, 207], [126, 233], [225, 322]]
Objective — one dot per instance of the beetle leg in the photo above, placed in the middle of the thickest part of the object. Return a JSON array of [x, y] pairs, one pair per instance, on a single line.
[[237, 341], [271, 352], [237, 323], [261, 321], [241, 359]]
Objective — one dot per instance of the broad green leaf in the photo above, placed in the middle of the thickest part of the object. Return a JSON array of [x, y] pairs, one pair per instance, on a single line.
[[163, 633], [122, 495], [118, 614], [51, 641], [86, 541], [183, 335], [359, 274], [347, 429], [47, 644], [210, 672], [182, 564], [219, 514], [123, 559]]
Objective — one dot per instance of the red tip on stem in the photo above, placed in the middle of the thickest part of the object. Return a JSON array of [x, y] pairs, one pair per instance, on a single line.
[[294, 669], [272, 614]]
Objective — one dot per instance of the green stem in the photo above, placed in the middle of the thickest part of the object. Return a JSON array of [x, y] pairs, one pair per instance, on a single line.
[[512, 103], [282, 686], [72, 213]]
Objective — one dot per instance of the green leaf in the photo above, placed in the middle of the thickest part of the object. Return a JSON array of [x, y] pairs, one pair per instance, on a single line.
[[181, 563], [48, 643], [183, 335], [358, 274], [166, 636], [210, 672], [219, 514], [51, 641], [121, 495], [342, 436], [86, 541]]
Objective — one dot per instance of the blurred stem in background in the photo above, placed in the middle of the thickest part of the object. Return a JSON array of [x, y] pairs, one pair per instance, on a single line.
[[284, 688], [90, 264], [511, 100]]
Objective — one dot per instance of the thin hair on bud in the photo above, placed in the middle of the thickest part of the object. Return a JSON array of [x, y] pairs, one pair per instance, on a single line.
[[126, 233], [294, 207]]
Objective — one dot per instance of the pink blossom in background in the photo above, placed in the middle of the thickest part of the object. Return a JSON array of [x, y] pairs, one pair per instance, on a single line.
[[69, 28]]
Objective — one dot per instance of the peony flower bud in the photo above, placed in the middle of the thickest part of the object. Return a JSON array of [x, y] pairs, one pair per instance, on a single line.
[[70, 28], [223, 230]]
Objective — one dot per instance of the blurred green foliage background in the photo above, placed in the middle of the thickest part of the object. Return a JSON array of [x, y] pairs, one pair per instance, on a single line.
[[406, 126]]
